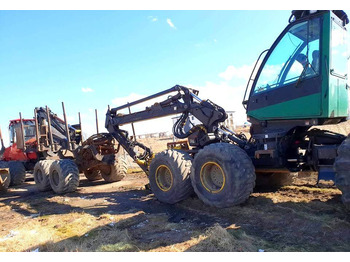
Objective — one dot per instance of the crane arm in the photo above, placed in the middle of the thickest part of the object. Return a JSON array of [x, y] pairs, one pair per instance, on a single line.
[[186, 102]]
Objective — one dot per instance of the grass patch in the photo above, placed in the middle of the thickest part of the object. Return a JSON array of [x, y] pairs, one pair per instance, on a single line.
[[117, 247], [67, 232], [307, 190], [98, 240], [219, 239]]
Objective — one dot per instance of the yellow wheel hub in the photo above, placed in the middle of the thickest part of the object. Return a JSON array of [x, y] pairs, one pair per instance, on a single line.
[[164, 178], [212, 177]]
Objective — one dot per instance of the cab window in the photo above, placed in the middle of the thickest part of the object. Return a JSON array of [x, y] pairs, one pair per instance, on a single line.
[[296, 55], [339, 53], [12, 132]]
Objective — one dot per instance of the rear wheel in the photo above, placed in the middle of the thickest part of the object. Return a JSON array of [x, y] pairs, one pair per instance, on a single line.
[[342, 169], [64, 176], [41, 175], [169, 176], [116, 172], [222, 175], [17, 172]]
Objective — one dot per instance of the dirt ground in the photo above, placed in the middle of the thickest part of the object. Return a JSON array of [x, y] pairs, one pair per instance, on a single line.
[[124, 216]]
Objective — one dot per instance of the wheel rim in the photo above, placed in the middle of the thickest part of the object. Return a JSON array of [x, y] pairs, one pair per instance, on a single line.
[[55, 178], [212, 177], [164, 178]]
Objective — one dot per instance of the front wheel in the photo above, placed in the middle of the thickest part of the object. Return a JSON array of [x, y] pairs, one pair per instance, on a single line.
[[17, 172], [169, 176], [222, 175]]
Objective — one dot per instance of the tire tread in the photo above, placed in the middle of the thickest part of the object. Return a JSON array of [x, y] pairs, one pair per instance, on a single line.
[[342, 171], [242, 174]]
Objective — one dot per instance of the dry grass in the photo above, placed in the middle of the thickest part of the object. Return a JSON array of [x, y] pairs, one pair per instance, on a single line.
[[105, 238], [215, 239], [219, 239], [65, 232]]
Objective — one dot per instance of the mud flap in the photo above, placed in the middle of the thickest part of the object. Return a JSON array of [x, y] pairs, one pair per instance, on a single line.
[[326, 173]]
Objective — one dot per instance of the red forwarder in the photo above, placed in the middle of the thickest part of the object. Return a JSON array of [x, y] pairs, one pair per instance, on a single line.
[[15, 158]]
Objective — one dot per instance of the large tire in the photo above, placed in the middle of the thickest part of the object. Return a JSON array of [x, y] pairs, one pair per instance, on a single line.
[[169, 176], [41, 175], [93, 174], [5, 176], [64, 176], [17, 172], [342, 171], [222, 175], [274, 180], [116, 172], [4, 164]]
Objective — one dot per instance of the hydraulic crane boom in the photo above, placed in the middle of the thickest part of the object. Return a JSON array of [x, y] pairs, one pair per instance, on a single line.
[[184, 102], [208, 113]]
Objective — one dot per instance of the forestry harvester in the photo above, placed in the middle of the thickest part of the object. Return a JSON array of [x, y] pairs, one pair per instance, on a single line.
[[301, 83]]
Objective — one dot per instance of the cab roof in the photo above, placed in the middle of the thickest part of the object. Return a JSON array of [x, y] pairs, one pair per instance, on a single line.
[[16, 121]]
